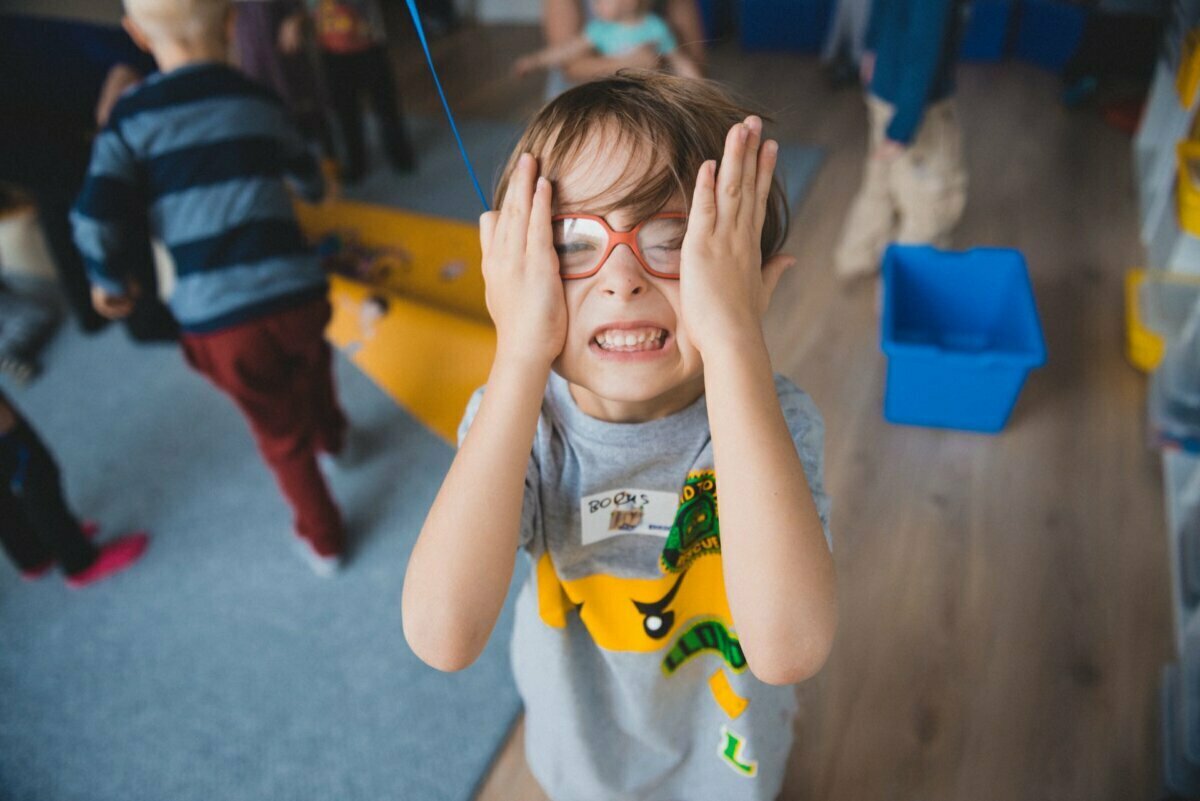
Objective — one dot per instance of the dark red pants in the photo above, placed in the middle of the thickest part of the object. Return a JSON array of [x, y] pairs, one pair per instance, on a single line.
[[278, 371]]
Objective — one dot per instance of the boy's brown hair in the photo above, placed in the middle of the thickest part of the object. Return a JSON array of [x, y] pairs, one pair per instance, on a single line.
[[671, 124]]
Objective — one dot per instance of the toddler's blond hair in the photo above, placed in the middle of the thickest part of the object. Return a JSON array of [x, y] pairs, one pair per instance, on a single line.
[[179, 20]]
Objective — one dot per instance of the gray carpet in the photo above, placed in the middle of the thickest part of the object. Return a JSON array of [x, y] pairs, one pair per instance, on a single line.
[[441, 185], [220, 667]]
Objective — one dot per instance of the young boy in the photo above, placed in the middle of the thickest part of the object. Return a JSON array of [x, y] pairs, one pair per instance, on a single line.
[[37, 530], [617, 27], [202, 152], [633, 441]]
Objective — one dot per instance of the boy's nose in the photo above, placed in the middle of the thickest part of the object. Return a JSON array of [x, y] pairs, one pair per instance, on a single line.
[[622, 274]]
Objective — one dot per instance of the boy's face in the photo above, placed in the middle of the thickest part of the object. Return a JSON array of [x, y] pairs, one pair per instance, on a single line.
[[658, 372]]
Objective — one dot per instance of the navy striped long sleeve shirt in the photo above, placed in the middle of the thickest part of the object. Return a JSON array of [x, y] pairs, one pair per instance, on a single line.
[[200, 157]]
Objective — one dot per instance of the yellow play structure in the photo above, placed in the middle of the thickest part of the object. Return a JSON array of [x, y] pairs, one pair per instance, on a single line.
[[408, 304]]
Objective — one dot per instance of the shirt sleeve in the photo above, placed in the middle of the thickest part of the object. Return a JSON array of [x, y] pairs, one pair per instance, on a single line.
[[531, 517], [923, 51], [662, 36], [108, 212], [808, 433]]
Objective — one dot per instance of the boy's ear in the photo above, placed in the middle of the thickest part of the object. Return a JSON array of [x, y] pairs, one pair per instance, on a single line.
[[136, 33]]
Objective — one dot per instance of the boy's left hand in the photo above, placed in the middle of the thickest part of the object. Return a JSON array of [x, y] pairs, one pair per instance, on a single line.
[[724, 286]]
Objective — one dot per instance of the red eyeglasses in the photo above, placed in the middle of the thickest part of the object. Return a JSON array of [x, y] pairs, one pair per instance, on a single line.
[[584, 242]]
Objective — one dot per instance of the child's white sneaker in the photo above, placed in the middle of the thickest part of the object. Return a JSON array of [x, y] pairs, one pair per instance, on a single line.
[[324, 565]]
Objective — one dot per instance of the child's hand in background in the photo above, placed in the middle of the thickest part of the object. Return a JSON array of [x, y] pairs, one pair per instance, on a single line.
[[724, 287], [520, 270], [114, 307], [291, 33]]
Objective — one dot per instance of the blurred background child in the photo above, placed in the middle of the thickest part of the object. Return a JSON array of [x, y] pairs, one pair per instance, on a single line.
[[270, 44], [37, 530], [617, 28], [351, 37]]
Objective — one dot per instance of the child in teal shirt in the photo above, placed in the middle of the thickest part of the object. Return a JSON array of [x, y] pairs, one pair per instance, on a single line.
[[617, 27]]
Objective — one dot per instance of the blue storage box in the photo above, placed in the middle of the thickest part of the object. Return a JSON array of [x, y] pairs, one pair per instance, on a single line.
[[1049, 32], [987, 30], [961, 333], [796, 25]]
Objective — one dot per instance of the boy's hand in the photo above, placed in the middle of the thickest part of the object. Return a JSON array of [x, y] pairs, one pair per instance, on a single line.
[[113, 307], [520, 270], [724, 287]]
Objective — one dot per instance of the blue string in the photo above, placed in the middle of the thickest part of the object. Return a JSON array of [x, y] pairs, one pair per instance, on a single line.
[[416, 17]]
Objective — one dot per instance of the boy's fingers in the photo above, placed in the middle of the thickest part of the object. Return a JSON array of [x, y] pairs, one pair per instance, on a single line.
[[515, 213], [487, 229], [750, 161], [729, 179], [768, 157], [702, 216], [541, 232]]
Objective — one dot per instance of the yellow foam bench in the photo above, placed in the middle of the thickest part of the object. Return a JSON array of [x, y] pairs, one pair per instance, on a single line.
[[413, 318]]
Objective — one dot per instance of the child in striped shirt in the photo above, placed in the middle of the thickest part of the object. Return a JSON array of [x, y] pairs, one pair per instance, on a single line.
[[203, 157]]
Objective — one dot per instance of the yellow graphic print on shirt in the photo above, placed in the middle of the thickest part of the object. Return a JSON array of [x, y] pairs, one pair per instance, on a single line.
[[684, 611]]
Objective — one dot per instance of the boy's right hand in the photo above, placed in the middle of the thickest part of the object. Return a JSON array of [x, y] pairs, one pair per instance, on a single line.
[[520, 271]]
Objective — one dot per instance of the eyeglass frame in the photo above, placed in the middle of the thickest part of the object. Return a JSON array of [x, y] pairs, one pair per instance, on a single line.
[[627, 238]]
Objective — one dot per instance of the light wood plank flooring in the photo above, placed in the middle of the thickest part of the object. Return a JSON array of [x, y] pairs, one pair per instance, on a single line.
[[1004, 600]]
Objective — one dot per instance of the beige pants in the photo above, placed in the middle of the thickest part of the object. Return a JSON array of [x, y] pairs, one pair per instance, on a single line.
[[915, 198]]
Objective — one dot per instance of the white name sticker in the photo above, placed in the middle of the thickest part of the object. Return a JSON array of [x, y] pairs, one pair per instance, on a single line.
[[627, 511]]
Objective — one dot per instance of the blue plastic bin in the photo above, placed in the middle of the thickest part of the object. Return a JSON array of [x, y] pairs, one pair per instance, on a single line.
[[987, 30], [961, 333]]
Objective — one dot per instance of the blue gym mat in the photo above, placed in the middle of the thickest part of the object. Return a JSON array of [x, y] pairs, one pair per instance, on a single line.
[[220, 667], [441, 186]]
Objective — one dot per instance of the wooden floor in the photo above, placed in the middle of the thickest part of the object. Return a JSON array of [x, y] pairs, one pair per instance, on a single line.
[[1004, 600]]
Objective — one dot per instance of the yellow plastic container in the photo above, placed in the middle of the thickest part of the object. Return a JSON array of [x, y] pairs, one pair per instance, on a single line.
[[1187, 80], [1143, 348], [1188, 185]]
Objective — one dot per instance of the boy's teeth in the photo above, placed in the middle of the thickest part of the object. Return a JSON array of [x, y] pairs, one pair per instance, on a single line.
[[631, 339]]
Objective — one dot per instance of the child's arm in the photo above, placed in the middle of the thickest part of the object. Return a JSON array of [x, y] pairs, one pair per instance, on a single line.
[[554, 56], [683, 66], [460, 569], [103, 220], [779, 575]]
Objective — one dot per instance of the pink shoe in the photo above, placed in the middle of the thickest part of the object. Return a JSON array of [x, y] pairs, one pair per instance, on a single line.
[[88, 528], [114, 557]]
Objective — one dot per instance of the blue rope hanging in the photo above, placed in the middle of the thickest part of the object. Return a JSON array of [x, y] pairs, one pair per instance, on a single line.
[[416, 17]]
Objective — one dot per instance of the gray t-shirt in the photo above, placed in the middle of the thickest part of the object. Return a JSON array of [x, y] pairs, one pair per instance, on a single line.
[[624, 650]]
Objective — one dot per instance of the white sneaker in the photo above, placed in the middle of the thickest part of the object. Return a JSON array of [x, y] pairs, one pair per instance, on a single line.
[[323, 566]]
